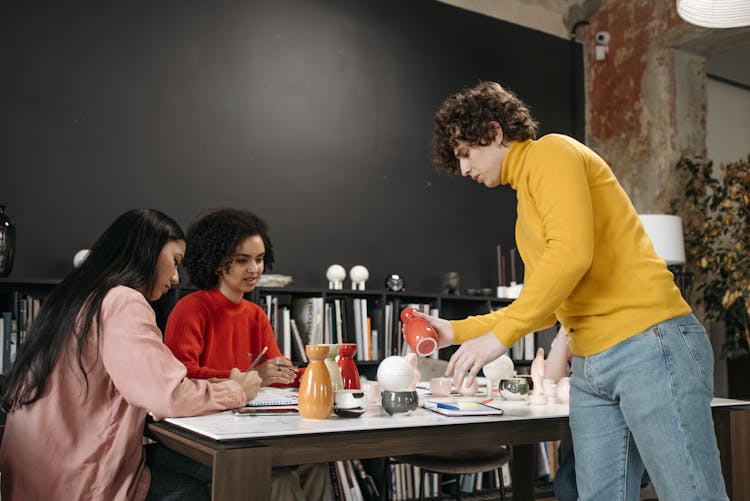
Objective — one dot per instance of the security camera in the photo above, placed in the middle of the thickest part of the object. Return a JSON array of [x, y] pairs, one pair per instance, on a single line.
[[602, 37]]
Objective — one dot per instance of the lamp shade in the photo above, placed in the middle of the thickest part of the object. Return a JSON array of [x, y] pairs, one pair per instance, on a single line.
[[715, 13], [665, 232]]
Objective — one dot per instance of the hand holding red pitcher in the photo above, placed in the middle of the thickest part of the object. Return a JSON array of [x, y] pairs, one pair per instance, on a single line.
[[419, 334]]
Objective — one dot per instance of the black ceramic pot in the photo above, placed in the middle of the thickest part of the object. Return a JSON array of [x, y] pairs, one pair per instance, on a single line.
[[400, 402]]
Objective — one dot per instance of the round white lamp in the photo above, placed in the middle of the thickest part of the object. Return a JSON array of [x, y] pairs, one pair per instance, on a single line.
[[359, 276], [80, 257], [665, 232], [336, 275]]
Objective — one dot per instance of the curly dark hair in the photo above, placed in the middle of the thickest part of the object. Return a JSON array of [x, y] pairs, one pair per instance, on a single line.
[[213, 239], [466, 116]]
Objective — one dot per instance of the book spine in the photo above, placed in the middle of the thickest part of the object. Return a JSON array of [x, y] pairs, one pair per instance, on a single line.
[[335, 482], [356, 491], [362, 355], [298, 341], [366, 483], [357, 314], [287, 332], [339, 321], [7, 332]]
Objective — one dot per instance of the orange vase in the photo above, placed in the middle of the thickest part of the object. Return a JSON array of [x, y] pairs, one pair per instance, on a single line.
[[315, 390]]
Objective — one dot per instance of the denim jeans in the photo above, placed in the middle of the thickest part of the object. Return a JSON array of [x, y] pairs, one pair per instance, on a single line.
[[646, 401], [565, 478]]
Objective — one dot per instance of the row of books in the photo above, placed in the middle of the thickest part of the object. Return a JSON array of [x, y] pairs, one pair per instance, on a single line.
[[351, 482], [405, 481], [14, 326], [376, 330], [394, 340]]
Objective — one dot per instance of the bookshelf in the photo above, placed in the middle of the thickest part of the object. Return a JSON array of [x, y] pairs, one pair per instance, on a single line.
[[379, 312], [19, 304], [344, 312]]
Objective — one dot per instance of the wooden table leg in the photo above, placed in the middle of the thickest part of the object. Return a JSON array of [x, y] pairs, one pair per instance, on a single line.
[[522, 472], [242, 474], [732, 425]]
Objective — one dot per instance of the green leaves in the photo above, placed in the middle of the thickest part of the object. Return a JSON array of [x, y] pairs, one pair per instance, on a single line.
[[716, 214]]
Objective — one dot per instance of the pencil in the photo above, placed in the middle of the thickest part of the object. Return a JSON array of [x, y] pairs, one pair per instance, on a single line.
[[257, 359]]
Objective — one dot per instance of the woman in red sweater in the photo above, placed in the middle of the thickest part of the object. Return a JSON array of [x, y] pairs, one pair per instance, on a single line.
[[215, 330]]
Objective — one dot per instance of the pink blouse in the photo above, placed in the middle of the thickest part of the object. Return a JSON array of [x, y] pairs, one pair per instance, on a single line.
[[79, 444]]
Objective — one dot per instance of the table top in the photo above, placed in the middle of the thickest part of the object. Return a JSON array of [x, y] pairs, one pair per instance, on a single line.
[[227, 426]]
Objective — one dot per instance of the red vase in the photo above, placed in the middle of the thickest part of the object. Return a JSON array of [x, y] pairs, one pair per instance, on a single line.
[[420, 335], [349, 372]]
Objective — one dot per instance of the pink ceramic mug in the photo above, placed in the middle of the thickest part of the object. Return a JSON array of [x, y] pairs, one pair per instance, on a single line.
[[372, 391], [420, 335], [440, 386]]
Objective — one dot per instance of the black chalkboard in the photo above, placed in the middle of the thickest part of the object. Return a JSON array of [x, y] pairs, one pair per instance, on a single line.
[[316, 114]]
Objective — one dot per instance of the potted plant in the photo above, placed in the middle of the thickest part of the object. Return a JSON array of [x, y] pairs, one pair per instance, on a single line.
[[716, 212]]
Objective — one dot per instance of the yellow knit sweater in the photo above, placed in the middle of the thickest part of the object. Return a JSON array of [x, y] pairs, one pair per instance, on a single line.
[[588, 261]]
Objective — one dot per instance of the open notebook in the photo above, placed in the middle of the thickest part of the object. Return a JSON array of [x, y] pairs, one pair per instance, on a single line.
[[270, 396]]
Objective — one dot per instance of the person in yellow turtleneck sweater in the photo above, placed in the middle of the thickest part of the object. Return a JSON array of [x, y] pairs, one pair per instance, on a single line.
[[642, 364]]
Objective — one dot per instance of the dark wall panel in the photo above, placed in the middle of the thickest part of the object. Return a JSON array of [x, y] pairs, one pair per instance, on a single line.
[[317, 115]]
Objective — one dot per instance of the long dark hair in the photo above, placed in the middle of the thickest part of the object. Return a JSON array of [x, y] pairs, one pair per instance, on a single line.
[[125, 254]]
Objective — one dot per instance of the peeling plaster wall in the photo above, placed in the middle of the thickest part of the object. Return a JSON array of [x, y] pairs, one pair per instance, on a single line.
[[645, 105]]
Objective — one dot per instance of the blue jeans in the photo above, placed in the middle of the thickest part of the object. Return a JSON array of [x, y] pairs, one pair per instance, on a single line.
[[565, 478], [646, 401]]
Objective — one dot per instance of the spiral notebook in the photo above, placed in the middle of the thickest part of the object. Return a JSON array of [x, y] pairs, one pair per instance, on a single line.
[[269, 397]]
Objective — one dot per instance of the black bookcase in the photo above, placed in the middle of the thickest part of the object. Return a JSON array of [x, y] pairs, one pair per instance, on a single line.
[[448, 306]]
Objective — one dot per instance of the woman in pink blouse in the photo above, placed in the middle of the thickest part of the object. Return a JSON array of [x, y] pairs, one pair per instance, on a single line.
[[94, 365]]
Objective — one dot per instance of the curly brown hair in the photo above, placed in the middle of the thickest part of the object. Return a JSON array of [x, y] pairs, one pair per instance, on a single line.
[[466, 116], [213, 239]]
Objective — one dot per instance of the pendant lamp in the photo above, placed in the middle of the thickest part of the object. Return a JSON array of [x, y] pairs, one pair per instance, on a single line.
[[715, 13]]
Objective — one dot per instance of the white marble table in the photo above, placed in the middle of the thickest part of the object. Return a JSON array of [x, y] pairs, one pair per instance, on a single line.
[[242, 450]]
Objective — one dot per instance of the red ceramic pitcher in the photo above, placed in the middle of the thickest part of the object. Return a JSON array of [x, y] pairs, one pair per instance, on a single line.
[[418, 332], [349, 372]]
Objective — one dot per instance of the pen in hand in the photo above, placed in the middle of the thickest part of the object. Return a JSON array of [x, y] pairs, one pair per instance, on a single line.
[[257, 359]]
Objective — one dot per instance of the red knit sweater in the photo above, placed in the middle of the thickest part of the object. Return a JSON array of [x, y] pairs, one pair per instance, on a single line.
[[210, 334]]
